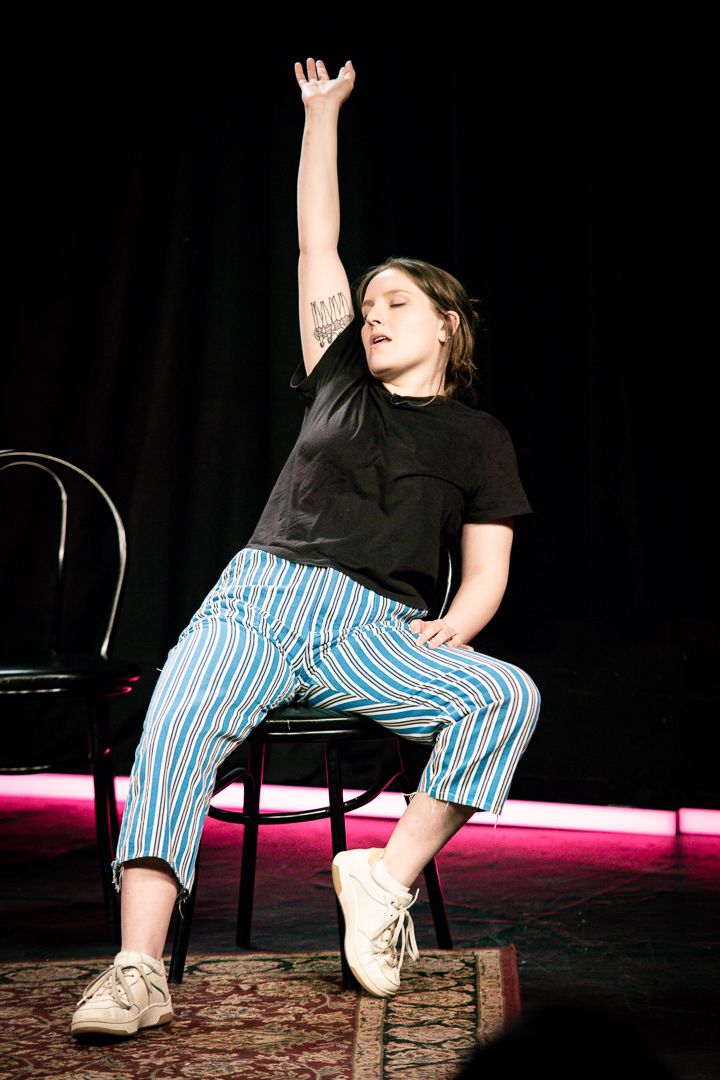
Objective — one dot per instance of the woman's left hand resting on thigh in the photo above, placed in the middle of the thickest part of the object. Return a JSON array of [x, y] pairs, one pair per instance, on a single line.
[[437, 632], [485, 560]]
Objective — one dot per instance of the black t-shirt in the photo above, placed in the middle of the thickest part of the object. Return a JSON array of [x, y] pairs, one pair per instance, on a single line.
[[377, 484]]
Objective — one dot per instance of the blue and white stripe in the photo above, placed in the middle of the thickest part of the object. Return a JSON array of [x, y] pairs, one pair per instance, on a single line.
[[272, 631]]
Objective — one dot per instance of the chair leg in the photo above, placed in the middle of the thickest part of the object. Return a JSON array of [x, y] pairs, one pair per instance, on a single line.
[[252, 784], [412, 773], [181, 939], [339, 843], [108, 772], [106, 820], [112, 798], [437, 905]]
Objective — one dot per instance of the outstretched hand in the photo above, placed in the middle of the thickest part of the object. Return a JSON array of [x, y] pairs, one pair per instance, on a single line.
[[436, 632], [319, 86]]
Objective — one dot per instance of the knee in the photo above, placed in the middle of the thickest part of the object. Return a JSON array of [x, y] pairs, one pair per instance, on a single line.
[[526, 688], [528, 684], [523, 695], [517, 693]]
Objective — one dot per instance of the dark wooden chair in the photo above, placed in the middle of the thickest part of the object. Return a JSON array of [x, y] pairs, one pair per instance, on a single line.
[[332, 731], [59, 521]]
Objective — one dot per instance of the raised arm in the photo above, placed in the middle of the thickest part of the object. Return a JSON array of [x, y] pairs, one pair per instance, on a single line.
[[323, 287]]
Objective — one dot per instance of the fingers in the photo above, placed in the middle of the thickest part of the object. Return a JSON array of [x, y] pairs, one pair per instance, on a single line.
[[317, 72], [300, 73], [435, 633]]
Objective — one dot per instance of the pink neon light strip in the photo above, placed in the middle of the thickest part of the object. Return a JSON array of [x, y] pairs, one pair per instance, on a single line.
[[704, 822], [389, 805]]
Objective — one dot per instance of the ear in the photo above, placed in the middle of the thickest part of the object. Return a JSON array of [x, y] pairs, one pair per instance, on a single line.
[[454, 320]]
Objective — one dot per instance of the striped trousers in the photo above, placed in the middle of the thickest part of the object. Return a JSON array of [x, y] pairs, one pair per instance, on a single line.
[[273, 631]]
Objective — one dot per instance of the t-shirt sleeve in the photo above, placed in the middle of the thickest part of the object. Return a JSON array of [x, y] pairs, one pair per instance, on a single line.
[[345, 352], [498, 491]]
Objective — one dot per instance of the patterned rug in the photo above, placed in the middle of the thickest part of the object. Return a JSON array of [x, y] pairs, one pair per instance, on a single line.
[[265, 1015]]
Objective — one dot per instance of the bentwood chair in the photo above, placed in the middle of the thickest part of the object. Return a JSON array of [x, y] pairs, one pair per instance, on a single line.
[[62, 567], [334, 732]]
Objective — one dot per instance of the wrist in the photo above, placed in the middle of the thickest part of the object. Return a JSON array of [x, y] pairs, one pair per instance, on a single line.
[[467, 624], [319, 106]]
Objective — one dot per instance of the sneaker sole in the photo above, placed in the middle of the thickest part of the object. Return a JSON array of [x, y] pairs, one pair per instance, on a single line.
[[153, 1016], [347, 903]]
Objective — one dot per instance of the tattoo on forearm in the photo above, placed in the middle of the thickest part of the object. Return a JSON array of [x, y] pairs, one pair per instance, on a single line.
[[330, 317]]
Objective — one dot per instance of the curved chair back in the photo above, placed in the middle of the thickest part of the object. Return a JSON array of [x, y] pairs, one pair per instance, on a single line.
[[446, 564], [57, 513]]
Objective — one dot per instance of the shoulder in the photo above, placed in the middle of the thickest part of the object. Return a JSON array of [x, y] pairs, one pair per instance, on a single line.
[[476, 424]]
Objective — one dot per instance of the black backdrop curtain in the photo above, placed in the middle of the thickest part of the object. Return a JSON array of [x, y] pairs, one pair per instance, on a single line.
[[153, 328]]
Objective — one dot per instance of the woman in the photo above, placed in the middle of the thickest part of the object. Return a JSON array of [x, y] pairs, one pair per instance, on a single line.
[[327, 601]]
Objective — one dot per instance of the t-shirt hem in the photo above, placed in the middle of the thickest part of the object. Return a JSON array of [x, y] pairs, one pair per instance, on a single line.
[[292, 556]]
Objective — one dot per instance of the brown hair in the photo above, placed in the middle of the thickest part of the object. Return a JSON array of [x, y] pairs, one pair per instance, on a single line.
[[446, 294]]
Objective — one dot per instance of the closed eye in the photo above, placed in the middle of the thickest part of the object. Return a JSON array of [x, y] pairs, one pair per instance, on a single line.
[[367, 313]]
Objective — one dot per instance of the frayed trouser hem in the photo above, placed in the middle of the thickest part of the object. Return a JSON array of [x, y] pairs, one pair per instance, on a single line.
[[117, 875], [492, 811]]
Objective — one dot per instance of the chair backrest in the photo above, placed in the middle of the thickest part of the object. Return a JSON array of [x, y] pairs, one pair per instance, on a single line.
[[446, 575], [448, 580], [63, 555]]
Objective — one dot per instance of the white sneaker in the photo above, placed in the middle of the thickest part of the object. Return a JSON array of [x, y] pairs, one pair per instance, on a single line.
[[378, 926], [132, 993]]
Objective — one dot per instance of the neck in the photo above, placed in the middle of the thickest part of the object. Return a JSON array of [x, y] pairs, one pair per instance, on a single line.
[[414, 385]]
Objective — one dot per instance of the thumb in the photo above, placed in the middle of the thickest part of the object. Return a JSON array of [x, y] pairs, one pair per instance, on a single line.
[[417, 625]]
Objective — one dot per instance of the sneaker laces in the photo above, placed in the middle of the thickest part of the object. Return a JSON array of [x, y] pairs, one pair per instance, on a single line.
[[397, 927], [112, 983]]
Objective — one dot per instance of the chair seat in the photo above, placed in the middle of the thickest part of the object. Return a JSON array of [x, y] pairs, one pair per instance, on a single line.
[[68, 674], [303, 723]]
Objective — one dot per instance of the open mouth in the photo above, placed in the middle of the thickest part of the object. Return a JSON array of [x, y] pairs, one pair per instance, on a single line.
[[379, 339]]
